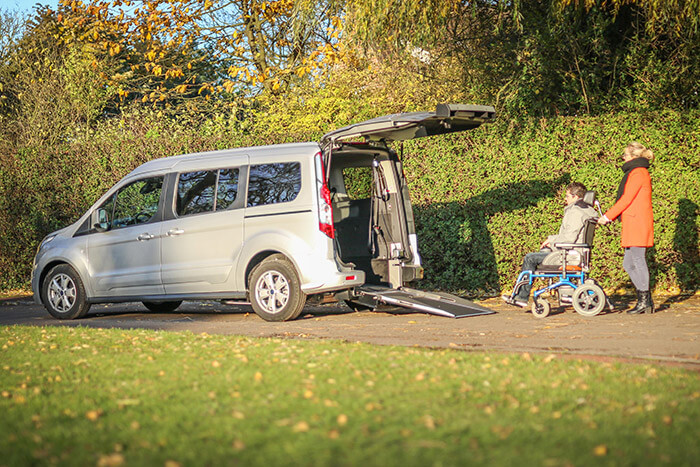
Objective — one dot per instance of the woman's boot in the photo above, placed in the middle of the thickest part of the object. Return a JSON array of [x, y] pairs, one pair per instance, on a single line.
[[637, 306], [647, 305], [644, 303]]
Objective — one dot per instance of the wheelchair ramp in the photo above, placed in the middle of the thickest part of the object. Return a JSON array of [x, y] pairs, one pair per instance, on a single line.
[[435, 303]]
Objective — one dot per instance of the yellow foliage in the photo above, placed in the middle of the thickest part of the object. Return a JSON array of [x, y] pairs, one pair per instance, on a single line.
[[228, 85]]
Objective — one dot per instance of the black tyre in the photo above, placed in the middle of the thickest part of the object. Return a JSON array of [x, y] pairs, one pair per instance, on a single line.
[[63, 293], [541, 308], [275, 291], [162, 307], [589, 300]]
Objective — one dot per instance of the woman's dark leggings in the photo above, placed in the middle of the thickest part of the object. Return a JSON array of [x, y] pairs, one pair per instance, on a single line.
[[635, 264]]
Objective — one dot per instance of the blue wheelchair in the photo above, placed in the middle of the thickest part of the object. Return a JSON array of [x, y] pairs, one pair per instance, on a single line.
[[566, 272]]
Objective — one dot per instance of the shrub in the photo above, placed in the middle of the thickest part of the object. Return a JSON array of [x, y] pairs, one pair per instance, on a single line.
[[486, 198], [483, 198]]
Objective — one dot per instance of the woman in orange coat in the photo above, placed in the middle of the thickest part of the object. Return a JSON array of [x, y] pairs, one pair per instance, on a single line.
[[634, 204]]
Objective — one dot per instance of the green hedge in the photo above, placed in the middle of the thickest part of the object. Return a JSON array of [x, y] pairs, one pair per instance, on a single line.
[[486, 198], [482, 199]]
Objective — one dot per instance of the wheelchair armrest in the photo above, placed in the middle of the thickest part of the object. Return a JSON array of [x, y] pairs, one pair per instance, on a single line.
[[571, 246]]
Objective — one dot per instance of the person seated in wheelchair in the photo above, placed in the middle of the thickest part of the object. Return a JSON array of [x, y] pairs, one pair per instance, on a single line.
[[576, 213]]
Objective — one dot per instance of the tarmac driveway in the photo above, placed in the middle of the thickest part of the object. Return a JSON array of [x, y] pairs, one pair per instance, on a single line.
[[671, 336]]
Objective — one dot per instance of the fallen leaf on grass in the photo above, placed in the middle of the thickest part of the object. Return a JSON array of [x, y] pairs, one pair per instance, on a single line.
[[238, 445], [258, 376], [600, 450], [342, 419], [301, 427], [502, 432], [93, 415], [111, 460]]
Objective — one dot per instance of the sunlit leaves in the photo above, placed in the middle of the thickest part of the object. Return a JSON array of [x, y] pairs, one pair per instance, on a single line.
[[229, 46]]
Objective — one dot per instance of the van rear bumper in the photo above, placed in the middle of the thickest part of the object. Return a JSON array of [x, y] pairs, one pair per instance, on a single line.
[[336, 281]]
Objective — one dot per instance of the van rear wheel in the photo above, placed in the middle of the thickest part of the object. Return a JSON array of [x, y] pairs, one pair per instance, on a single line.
[[275, 291], [63, 293]]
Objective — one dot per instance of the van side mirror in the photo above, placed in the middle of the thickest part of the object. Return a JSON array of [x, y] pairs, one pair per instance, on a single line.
[[100, 220]]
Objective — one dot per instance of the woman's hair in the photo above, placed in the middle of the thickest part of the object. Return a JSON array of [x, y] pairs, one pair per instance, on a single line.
[[636, 149]]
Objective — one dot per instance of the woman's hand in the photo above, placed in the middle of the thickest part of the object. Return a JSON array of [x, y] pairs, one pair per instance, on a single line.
[[603, 220]]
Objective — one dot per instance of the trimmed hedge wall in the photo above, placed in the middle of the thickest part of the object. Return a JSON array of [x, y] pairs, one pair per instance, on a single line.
[[486, 198], [482, 199]]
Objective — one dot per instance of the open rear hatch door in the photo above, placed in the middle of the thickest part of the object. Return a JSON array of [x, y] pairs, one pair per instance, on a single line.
[[434, 303], [447, 118]]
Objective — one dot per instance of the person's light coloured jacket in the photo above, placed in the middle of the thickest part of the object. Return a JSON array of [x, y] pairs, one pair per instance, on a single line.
[[571, 230]]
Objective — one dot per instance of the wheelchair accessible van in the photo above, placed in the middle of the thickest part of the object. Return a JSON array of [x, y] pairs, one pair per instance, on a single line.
[[566, 271]]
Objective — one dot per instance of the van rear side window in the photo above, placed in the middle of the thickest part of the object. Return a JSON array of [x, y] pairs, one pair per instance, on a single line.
[[273, 183], [196, 191]]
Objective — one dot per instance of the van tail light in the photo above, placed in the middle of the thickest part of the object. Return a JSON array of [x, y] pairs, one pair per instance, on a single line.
[[325, 209]]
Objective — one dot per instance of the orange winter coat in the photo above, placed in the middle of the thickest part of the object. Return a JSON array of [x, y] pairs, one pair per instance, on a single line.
[[635, 207]]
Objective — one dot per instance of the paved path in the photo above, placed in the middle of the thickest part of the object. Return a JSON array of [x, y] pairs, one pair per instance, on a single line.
[[670, 336]]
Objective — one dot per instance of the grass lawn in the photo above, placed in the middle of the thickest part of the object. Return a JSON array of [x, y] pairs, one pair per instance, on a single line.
[[76, 396]]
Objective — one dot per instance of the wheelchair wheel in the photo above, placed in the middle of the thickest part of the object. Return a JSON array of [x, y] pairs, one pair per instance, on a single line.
[[541, 308], [589, 300]]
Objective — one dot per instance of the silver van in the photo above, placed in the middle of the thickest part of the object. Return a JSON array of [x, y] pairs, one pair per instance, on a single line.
[[273, 225]]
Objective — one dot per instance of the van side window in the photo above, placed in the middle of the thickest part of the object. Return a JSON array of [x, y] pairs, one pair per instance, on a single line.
[[195, 191], [135, 203], [273, 183]]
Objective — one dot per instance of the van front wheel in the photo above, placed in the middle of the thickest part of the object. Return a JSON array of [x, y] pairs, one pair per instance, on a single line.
[[63, 293], [275, 291]]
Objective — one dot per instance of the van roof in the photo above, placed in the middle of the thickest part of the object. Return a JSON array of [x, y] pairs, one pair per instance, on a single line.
[[282, 150]]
